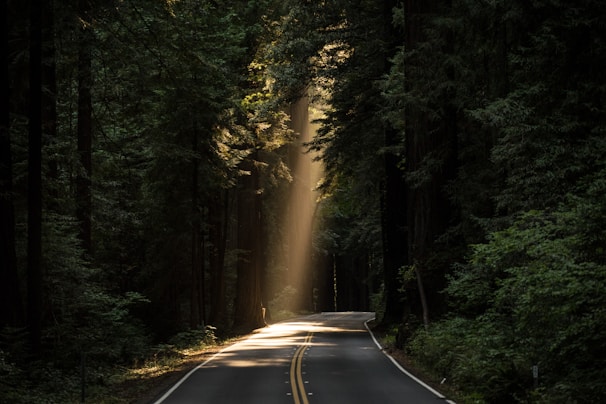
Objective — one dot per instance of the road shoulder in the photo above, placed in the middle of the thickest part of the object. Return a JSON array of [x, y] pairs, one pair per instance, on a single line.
[[401, 360]]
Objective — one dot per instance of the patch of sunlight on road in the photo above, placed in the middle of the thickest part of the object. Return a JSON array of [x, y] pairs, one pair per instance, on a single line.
[[284, 337], [231, 360]]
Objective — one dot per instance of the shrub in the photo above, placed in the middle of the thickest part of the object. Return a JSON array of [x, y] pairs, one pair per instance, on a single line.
[[194, 338]]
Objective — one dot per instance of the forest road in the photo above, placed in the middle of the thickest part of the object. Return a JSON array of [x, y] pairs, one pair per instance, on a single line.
[[325, 358]]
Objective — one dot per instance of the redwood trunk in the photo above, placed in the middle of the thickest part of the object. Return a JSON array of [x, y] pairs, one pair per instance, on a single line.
[[197, 275], [34, 199], [248, 314], [393, 203], [83, 179], [11, 307], [429, 209], [217, 218]]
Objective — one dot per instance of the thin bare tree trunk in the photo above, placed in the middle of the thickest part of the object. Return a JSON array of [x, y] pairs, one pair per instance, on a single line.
[[423, 298]]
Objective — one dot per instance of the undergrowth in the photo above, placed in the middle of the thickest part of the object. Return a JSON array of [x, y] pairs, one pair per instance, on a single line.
[[97, 381]]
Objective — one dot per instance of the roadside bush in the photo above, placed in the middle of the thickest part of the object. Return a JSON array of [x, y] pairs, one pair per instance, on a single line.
[[192, 338], [473, 357], [532, 295], [283, 301]]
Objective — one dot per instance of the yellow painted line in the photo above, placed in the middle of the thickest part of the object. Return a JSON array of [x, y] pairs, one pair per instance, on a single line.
[[296, 375]]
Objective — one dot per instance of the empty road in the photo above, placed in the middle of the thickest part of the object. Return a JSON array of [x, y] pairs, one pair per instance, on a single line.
[[326, 358]]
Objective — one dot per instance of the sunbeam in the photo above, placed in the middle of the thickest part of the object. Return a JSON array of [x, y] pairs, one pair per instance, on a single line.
[[301, 207]]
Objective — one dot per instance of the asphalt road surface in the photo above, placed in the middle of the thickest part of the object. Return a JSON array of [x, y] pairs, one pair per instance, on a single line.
[[327, 358]]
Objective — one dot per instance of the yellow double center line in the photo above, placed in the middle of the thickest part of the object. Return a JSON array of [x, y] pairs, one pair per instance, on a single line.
[[296, 376]]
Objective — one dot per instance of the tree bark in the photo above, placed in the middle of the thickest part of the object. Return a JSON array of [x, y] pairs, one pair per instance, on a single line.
[[429, 209], [217, 218], [248, 313], [49, 101], [11, 306], [196, 295], [394, 232], [423, 298], [415, 142], [34, 208], [393, 201], [85, 78]]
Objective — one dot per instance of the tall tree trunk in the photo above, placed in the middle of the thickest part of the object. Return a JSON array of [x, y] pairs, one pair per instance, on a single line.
[[85, 78], [429, 208], [393, 209], [394, 232], [217, 218], [248, 313], [325, 281], [201, 283], [11, 306], [419, 213], [263, 244], [34, 209], [417, 128], [422, 296], [196, 311], [49, 100]]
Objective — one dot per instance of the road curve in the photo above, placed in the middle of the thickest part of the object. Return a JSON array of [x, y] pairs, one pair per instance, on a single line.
[[326, 358]]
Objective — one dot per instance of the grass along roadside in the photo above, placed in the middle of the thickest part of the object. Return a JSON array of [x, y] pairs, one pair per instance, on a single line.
[[145, 382], [99, 382], [387, 339]]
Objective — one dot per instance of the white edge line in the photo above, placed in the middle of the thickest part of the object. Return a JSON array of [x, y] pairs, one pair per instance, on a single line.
[[406, 372], [184, 378]]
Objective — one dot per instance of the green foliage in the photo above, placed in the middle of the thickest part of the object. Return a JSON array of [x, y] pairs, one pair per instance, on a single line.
[[171, 77], [535, 290], [87, 317], [194, 338], [526, 88], [377, 303], [10, 376], [283, 301], [479, 361], [191, 89]]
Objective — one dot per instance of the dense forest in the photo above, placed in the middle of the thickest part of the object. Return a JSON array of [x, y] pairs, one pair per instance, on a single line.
[[155, 180]]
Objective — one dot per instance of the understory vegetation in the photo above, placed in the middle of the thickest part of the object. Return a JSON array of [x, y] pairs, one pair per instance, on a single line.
[[529, 297], [96, 379]]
